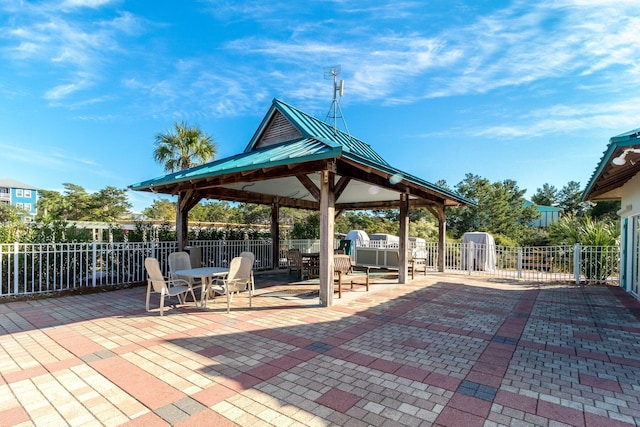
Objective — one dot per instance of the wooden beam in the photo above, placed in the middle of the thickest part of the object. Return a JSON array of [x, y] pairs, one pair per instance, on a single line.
[[381, 179], [220, 193], [260, 174], [309, 185]]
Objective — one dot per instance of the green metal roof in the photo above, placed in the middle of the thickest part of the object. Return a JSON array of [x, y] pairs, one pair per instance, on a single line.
[[319, 141], [624, 140], [282, 154]]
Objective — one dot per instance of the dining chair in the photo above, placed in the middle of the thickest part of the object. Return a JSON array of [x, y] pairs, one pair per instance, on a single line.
[[237, 279], [251, 258], [182, 261], [295, 263], [166, 287]]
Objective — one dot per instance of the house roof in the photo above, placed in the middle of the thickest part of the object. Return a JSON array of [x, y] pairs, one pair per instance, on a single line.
[[283, 159], [543, 208], [608, 177], [12, 183]]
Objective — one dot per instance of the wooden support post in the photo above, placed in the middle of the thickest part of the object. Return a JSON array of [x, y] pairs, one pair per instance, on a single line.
[[404, 238], [275, 233], [442, 237], [327, 215], [182, 222], [186, 201]]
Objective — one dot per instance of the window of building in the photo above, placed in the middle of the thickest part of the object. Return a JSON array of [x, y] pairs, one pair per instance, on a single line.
[[27, 193], [19, 192], [4, 190], [27, 207], [19, 206]]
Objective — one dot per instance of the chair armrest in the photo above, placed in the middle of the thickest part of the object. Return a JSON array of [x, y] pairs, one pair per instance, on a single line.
[[177, 282]]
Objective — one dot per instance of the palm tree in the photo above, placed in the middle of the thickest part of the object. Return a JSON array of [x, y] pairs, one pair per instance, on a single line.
[[183, 148]]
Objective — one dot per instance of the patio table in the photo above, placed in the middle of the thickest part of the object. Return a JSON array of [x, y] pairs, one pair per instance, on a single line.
[[207, 275], [312, 261]]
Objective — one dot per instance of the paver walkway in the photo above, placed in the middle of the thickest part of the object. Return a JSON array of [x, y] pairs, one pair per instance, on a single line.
[[443, 350]]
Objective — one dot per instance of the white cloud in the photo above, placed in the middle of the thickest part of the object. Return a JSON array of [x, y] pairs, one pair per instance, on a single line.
[[583, 44], [94, 4], [564, 119], [68, 45]]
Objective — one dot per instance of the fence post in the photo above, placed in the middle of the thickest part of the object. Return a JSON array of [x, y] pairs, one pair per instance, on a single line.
[[519, 262], [576, 262], [16, 271], [94, 262]]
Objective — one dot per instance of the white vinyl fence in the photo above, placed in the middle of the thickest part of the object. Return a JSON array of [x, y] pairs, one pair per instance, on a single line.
[[28, 269]]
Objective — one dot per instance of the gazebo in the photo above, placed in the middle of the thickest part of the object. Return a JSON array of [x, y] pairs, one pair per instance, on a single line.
[[295, 160]]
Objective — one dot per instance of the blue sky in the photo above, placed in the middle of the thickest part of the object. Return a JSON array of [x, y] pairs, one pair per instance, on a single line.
[[522, 90]]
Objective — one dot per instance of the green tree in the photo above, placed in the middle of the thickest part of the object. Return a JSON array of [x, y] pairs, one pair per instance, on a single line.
[[50, 205], [545, 196], [425, 228], [308, 228], [184, 147], [596, 261], [12, 229], [255, 214], [605, 209], [351, 220], [109, 204], [500, 209], [161, 209], [8, 213], [76, 203], [571, 229], [570, 199]]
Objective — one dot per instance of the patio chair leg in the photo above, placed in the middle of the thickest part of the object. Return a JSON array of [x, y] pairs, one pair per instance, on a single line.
[[148, 294], [162, 297]]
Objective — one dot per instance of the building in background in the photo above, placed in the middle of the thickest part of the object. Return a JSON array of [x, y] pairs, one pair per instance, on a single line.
[[617, 177], [23, 196], [548, 215]]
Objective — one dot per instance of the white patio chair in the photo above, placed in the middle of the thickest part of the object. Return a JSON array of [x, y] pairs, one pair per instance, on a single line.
[[238, 279], [252, 258], [164, 286], [182, 261]]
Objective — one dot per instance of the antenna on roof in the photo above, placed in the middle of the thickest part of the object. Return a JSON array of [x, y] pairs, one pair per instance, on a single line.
[[335, 112]]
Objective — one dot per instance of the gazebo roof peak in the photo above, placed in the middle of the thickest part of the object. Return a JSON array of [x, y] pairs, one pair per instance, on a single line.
[[285, 123]]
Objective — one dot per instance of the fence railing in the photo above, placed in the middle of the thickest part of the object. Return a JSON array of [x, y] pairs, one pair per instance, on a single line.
[[44, 268], [590, 264]]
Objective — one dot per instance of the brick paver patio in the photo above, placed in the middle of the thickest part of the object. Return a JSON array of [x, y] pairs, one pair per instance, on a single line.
[[443, 350]]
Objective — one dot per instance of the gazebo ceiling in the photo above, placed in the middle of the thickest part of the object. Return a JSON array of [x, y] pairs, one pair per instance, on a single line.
[[609, 177], [283, 162]]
